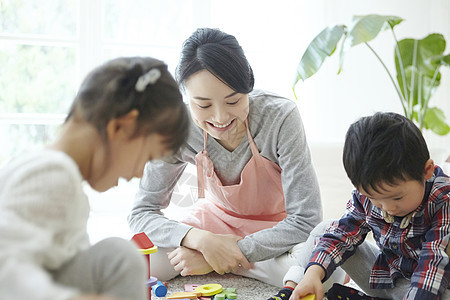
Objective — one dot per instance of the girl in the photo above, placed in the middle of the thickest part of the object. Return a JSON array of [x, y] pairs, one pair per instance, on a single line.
[[127, 111]]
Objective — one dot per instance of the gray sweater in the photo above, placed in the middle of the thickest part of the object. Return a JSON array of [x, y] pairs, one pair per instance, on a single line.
[[276, 127]]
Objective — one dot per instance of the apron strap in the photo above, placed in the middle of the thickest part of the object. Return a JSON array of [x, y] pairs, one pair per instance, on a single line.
[[200, 159], [200, 170], [253, 147]]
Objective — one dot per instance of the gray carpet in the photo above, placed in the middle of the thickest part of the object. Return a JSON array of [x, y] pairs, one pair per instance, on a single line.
[[247, 288]]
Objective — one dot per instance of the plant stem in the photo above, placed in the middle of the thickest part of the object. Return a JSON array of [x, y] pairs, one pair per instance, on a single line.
[[433, 80], [424, 108], [413, 79], [397, 89], [400, 61], [420, 115]]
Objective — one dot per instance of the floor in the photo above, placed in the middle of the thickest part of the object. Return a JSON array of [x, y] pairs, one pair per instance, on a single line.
[[246, 288]]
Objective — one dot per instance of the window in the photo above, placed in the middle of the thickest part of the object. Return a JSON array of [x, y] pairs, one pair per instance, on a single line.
[[38, 55], [47, 47]]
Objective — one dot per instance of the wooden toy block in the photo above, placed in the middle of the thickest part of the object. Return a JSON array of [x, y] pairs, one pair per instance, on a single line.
[[144, 244], [191, 288], [209, 289], [183, 295], [146, 247], [151, 281], [159, 289], [309, 297], [228, 293]]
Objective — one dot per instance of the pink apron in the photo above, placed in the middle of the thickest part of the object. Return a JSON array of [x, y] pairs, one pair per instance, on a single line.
[[256, 203]]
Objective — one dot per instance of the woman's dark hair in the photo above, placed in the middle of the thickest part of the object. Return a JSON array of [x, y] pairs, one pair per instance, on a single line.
[[110, 91], [384, 148], [220, 54]]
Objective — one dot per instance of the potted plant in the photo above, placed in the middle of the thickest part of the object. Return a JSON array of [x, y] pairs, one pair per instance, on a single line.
[[417, 63]]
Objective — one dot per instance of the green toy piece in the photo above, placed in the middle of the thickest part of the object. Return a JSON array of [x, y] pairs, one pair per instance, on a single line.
[[228, 293]]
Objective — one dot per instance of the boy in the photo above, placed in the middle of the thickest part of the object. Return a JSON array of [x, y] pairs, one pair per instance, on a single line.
[[403, 199]]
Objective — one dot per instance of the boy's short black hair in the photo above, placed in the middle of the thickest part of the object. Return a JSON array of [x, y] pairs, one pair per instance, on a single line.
[[384, 148]]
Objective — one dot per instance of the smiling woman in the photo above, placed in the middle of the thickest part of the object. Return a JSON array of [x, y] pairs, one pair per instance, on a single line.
[[260, 196]]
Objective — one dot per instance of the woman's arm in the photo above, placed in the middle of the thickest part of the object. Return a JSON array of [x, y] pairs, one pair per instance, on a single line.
[[155, 191], [286, 144]]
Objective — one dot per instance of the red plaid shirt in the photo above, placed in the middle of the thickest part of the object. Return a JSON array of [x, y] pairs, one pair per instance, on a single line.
[[417, 252]]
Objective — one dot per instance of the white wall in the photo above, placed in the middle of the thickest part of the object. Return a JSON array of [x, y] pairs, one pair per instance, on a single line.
[[330, 103]]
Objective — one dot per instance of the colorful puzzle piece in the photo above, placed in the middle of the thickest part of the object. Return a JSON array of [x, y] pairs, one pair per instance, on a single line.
[[191, 288], [228, 293], [183, 295], [309, 297], [159, 289], [144, 244], [209, 289]]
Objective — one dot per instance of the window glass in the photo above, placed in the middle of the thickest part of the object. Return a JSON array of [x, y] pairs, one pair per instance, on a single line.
[[17, 138], [36, 79], [154, 23], [36, 17], [167, 55]]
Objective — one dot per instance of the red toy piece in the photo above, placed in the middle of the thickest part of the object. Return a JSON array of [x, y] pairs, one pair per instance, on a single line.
[[146, 247]]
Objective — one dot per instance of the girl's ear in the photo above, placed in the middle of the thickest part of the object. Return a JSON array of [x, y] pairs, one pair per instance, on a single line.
[[123, 127], [429, 169]]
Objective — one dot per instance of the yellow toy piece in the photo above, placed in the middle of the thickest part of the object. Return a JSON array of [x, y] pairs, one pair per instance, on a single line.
[[149, 250], [209, 289], [183, 295], [309, 297]]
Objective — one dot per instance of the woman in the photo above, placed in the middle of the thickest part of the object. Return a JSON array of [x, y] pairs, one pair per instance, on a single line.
[[252, 160]]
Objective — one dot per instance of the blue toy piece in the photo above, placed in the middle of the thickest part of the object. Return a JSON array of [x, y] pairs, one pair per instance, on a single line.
[[159, 289]]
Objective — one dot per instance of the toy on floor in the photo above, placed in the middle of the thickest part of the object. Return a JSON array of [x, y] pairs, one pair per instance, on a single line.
[[146, 247], [192, 287], [228, 293], [208, 291], [183, 295], [159, 289], [341, 292]]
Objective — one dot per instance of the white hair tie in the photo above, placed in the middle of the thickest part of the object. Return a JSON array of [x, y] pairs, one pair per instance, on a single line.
[[148, 78]]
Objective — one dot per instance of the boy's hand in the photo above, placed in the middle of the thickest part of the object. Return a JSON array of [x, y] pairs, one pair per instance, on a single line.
[[188, 262], [310, 284]]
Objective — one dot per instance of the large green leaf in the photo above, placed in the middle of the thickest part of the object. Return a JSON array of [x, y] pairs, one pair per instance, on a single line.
[[423, 85], [442, 59], [323, 45], [365, 29], [435, 120], [419, 60], [446, 60]]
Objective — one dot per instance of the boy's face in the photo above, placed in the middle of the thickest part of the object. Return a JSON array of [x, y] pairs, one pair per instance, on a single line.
[[397, 200], [402, 198]]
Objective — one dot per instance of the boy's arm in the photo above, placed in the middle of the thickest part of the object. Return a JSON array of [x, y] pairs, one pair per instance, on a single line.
[[341, 239], [432, 275]]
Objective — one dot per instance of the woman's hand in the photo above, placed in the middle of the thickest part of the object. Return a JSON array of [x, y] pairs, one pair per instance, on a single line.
[[310, 284], [189, 262], [220, 251]]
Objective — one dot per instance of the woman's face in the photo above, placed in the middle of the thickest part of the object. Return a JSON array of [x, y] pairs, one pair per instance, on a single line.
[[216, 108]]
